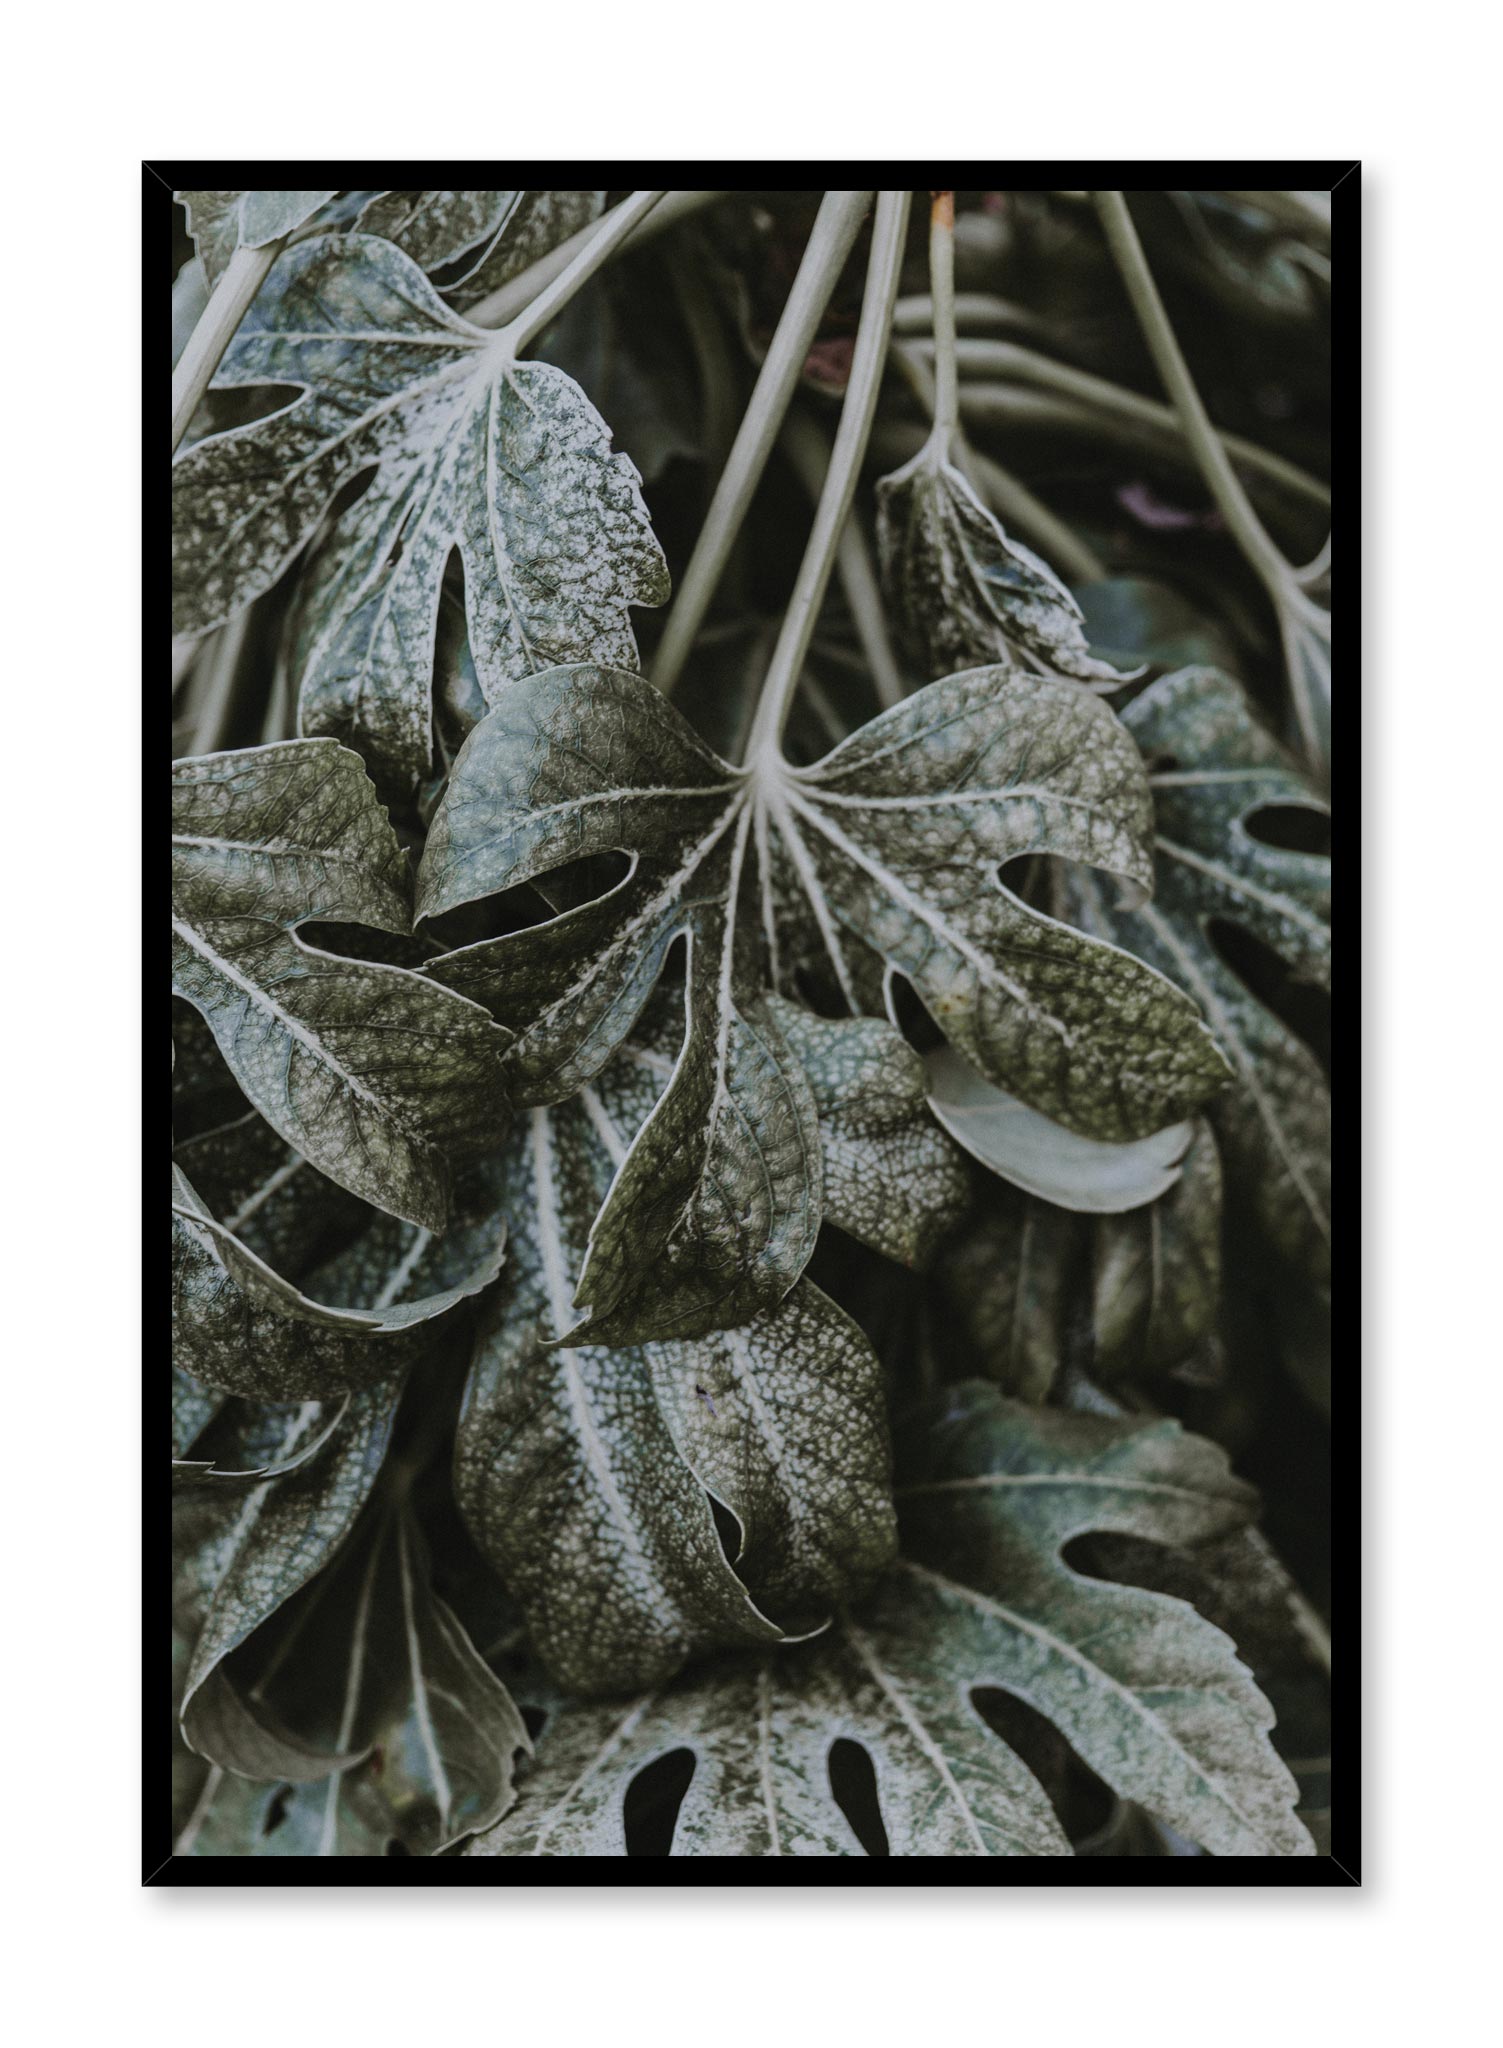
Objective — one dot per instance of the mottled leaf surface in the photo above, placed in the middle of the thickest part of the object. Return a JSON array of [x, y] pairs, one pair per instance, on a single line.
[[584, 1471], [505, 461], [962, 594], [499, 233], [897, 836], [222, 222], [1012, 1280], [1213, 767], [760, 1732], [894, 840], [1145, 1690], [373, 1073], [715, 1212], [1157, 1271], [240, 1556], [240, 1327], [370, 1661], [1148, 1693], [891, 1176]]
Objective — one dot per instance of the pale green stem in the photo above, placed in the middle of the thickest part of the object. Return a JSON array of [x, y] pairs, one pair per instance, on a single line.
[[1008, 498], [915, 314], [604, 239], [243, 277], [217, 704], [976, 356], [942, 294], [856, 416], [809, 454], [1211, 457], [513, 297], [834, 233], [1290, 602]]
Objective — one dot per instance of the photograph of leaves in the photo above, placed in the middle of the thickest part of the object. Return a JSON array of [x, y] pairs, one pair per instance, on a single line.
[[751, 959]]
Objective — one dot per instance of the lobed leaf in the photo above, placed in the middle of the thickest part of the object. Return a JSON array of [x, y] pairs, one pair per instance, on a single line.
[[962, 594], [1217, 768], [895, 838], [584, 1471], [222, 222], [1145, 1690], [471, 450], [372, 1073]]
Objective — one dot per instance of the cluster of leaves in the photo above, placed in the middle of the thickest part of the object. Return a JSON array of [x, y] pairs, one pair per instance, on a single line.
[[723, 1268]]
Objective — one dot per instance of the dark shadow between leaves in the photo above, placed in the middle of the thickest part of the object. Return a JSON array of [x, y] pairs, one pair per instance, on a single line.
[[1300, 1006]]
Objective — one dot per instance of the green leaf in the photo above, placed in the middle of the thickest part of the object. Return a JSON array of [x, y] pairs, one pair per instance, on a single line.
[[584, 1472], [891, 1176], [1010, 1282], [1041, 1156], [1217, 767], [387, 1672], [715, 1212], [1157, 1276], [222, 222], [240, 1556], [1146, 1692], [962, 594], [500, 233], [895, 838], [504, 460], [201, 1471], [1152, 1697], [238, 1326], [371, 1072]]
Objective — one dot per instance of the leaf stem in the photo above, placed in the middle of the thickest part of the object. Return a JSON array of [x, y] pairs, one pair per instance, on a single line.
[[809, 454], [605, 238], [1303, 625], [1008, 498], [1205, 443], [836, 227], [513, 297], [856, 416], [942, 296], [980, 358], [243, 277]]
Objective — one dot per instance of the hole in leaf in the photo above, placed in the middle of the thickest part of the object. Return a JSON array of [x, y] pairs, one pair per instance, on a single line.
[[913, 1020], [534, 1720], [1021, 876], [650, 1811], [1079, 1798], [276, 1811], [853, 1785], [1299, 1005], [581, 881], [727, 1528], [1293, 828]]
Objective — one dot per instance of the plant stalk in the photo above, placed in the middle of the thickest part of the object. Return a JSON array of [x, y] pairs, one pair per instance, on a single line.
[[833, 236], [1008, 498], [604, 239], [809, 454], [983, 359], [856, 416], [942, 297], [216, 327], [1211, 457], [513, 297]]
